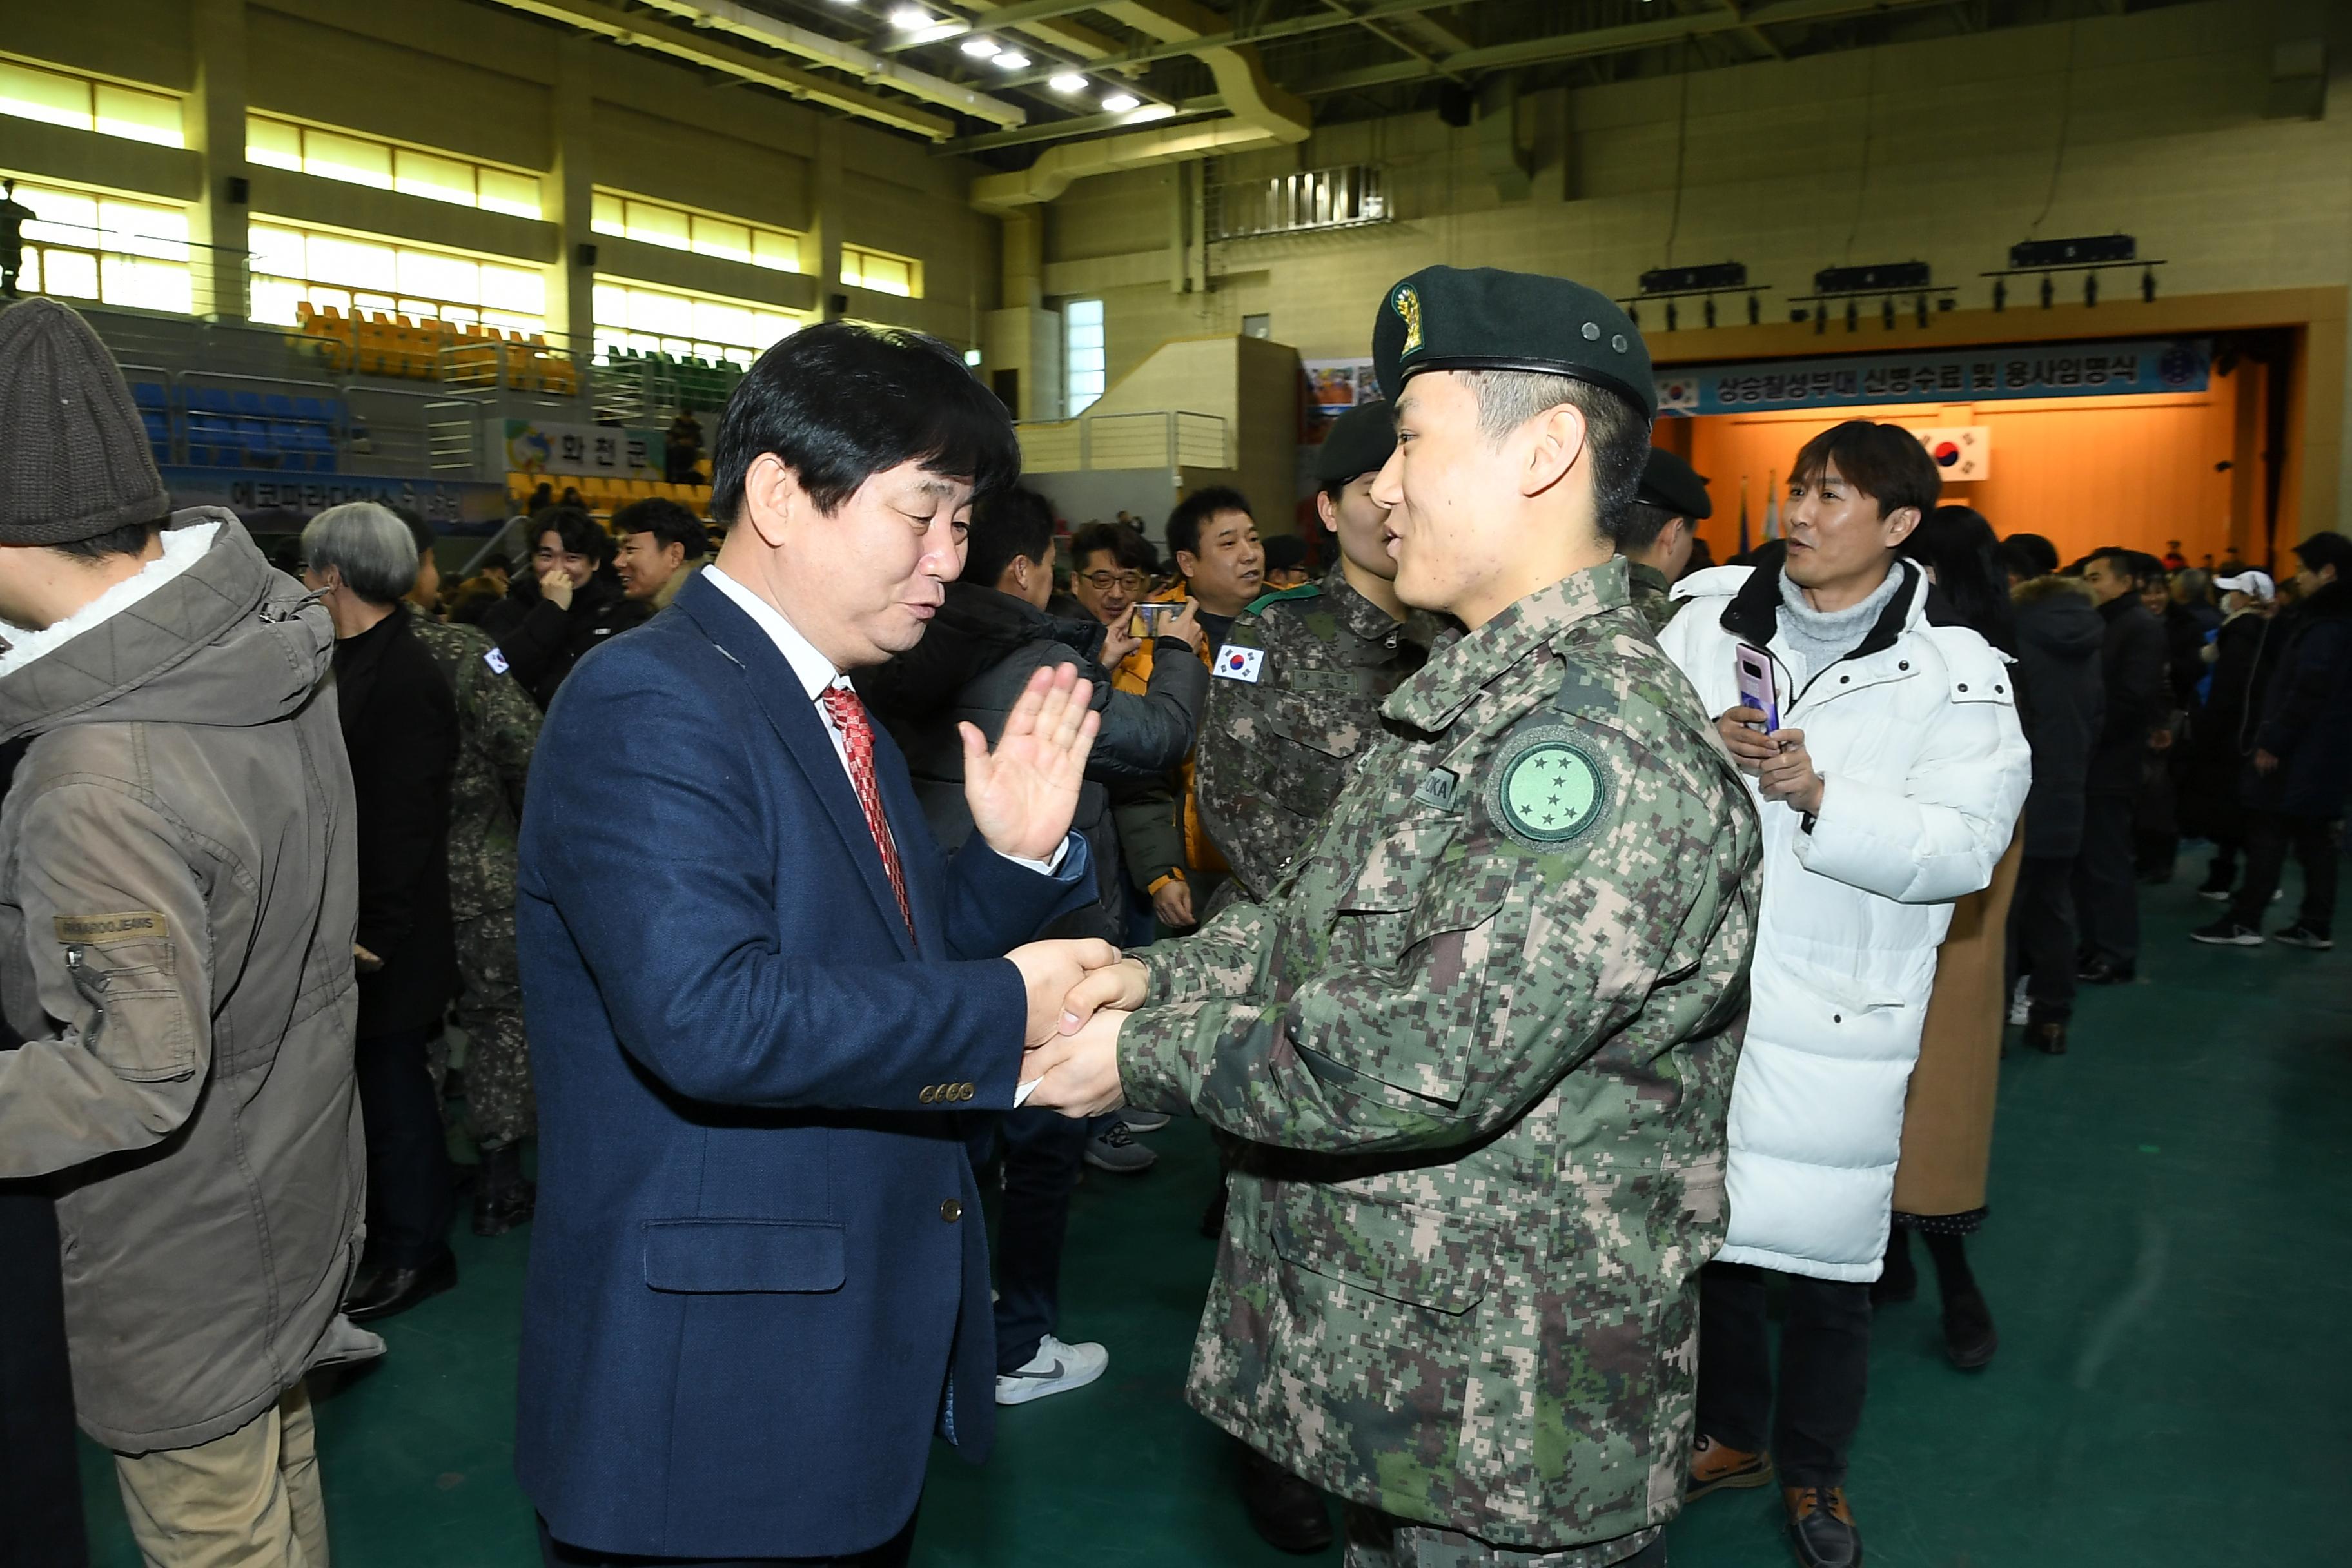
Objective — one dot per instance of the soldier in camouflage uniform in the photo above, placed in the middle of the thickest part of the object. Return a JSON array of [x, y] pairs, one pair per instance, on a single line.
[[1659, 529], [1485, 1028], [1285, 724], [498, 725]]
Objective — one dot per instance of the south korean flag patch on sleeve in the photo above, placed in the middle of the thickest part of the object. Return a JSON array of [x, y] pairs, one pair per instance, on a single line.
[[1239, 663]]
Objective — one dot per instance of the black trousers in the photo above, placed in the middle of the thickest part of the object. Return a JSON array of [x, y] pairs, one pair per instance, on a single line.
[[409, 1196], [1824, 1369], [2042, 943], [2106, 887], [1041, 1153], [891, 1553], [2269, 836], [40, 1491]]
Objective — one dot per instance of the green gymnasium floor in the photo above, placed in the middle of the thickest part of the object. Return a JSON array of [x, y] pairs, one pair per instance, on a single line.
[[2166, 1261]]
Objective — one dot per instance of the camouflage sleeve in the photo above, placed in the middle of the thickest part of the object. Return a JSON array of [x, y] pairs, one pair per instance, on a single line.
[[508, 722], [1516, 959], [1238, 753]]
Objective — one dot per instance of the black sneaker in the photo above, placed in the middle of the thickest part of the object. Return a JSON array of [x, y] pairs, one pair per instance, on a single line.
[[1969, 1338], [2227, 932], [2302, 935]]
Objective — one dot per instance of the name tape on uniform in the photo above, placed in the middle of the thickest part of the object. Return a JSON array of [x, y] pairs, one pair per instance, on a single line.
[[111, 927], [1239, 663]]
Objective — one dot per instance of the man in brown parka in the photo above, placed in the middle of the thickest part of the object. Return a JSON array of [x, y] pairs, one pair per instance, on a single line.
[[177, 902]]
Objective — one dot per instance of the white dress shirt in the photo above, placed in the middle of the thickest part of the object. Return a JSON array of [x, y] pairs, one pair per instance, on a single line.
[[818, 676]]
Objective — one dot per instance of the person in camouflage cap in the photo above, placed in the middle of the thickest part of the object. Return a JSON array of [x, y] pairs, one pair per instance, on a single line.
[[1659, 529], [498, 725], [1483, 1031], [1285, 722]]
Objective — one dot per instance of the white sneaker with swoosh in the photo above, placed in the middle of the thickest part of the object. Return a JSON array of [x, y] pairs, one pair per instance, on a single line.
[[1056, 1368]]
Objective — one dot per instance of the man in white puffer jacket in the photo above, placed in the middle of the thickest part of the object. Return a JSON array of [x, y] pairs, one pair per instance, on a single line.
[[1889, 789]]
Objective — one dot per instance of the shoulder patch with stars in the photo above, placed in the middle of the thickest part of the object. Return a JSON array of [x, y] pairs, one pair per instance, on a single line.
[[1546, 790]]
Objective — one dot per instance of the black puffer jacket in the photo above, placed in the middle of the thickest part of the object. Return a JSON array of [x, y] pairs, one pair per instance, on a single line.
[[541, 642], [2059, 636], [973, 664], [2132, 662], [2306, 715]]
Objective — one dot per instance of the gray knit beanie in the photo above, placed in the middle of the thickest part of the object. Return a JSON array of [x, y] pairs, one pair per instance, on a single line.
[[74, 459]]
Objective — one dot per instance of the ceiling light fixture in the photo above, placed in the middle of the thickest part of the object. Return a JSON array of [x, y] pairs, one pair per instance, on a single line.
[[907, 19], [1069, 81], [1119, 102], [980, 48], [1013, 60]]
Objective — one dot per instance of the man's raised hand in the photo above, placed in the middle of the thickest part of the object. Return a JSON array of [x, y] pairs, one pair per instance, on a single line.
[[1024, 793]]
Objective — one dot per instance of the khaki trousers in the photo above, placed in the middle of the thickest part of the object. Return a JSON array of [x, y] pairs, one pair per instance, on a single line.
[[250, 1499]]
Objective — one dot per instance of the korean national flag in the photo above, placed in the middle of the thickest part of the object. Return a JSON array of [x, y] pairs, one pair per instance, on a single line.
[[1239, 663]]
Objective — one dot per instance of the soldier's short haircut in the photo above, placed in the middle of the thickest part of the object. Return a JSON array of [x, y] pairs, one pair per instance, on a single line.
[[1127, 548], [369, 548], [667, 521], [2029, 555], [581, 534], [839, 403], [1013, 522], [1642, 526], [1885, 462], [1616, 432], [1184, 523]]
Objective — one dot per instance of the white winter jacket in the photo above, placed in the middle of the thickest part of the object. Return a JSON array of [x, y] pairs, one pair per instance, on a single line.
[[1915, 733]]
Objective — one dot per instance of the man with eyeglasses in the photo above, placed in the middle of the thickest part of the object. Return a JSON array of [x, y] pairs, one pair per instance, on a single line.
[[1109, 569]]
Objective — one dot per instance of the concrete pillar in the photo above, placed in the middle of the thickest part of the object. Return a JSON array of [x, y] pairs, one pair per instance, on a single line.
[[215, 125], [828, 204], [567, 197]]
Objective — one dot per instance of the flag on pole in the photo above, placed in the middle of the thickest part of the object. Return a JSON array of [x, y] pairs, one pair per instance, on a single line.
[[1771, 507], [1744, 546]]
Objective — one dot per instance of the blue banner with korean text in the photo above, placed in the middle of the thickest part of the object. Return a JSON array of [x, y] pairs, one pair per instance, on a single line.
[[1952, 375]]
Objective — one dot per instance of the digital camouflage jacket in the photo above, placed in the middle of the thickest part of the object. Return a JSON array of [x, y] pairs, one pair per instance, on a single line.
[[1275, 751], [498, 725], [1482, 1034], [1653, 598]]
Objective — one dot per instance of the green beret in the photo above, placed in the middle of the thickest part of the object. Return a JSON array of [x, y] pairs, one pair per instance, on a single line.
[[1479, 317], [1360, 442], [1669, 484]]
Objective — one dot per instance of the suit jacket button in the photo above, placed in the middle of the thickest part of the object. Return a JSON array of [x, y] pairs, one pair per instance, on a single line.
[[951, 1211], [929, 1095], [971, 1091]]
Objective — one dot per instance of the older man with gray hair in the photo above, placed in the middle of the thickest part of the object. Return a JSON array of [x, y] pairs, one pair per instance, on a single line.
[[400, 730]]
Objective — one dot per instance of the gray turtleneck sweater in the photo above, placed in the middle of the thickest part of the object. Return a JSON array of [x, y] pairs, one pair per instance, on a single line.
[[1819, 638]]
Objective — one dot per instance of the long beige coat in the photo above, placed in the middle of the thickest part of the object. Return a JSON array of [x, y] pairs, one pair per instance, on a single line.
[[1948, 1113]]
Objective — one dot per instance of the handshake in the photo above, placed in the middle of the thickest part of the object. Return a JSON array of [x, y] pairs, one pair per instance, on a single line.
[[1080, 993]]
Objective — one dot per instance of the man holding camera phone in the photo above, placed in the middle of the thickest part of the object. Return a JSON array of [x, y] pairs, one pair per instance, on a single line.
[[1881, 740]]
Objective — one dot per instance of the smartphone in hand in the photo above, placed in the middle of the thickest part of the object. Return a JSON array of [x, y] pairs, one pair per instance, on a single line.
[[1752, 669]]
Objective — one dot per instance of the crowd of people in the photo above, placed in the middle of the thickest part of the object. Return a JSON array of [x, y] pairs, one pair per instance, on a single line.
[[1569, 942]]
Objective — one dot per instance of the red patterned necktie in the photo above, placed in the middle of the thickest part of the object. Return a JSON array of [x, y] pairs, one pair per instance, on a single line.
[[857, 741]]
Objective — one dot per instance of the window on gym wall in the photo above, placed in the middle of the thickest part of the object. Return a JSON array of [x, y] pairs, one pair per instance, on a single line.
[[293, 266], [1082, 340], [59, 98], [881, 271], [686, 326], [412, 171], [705, 233], [85, 245]]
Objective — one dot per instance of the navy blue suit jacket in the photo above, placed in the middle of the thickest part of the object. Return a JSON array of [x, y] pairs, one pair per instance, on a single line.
[[758, 1276]]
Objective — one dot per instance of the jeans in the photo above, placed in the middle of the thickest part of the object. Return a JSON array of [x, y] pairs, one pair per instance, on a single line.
[[2041, 938], [891, 1553], [1824, 1369], [409, 1196], [40, 1492], [2269, 836], [2106, 889], [1042, 1152]]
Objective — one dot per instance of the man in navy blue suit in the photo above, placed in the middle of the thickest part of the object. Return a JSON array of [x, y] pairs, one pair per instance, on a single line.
[[758, 1279]]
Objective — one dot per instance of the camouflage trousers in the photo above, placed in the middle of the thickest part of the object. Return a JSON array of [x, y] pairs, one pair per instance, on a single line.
[[499, 1101], [1376, 1539]]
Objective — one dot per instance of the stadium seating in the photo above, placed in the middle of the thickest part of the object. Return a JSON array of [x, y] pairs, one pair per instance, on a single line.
[[467, 353]]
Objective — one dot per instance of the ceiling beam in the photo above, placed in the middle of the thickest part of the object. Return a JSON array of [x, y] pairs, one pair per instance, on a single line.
[[697, 48], [1054, 29], [1088, 124], [1593, 42], [1288, 28], [1392, 37], [841, 55]]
